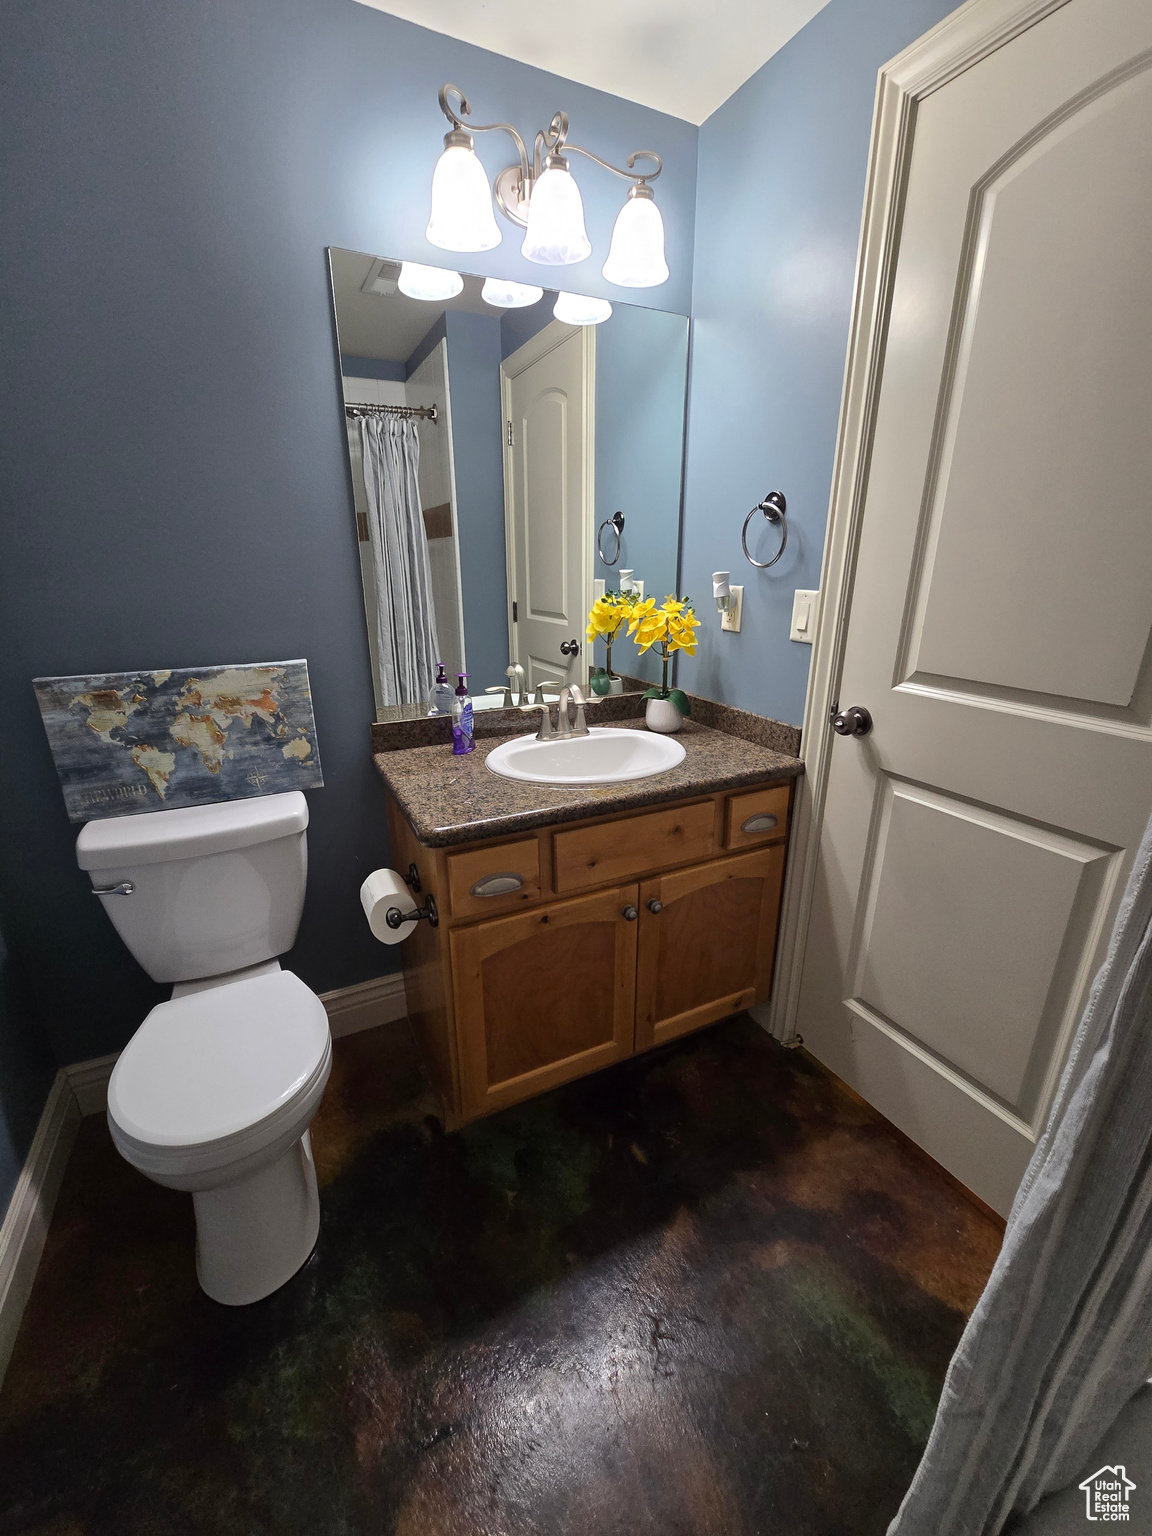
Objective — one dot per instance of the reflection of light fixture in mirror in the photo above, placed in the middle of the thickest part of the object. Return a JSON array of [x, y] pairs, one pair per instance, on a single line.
[[556, 236], [462, 217], [502, 295], [540, 194], [428, 282], [636, 256], [575, 309]]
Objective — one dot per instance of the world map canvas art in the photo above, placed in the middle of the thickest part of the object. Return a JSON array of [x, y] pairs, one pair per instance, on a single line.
[[127, 742]]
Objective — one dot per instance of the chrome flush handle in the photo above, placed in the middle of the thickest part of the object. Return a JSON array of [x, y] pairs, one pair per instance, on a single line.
[[125, 888]]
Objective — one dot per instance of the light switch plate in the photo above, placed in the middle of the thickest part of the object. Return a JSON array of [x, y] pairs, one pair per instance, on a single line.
[[730, 618], [597, 588], [804, 606]]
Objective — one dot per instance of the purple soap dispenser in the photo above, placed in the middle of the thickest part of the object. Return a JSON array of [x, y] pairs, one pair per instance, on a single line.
[[461, 718]]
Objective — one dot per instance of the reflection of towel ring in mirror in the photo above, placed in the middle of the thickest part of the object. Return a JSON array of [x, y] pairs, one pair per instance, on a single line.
[[773, 507], [616, 523]]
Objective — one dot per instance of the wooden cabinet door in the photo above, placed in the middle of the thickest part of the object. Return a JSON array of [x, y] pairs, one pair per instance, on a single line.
[[544, 996], [707, 942]]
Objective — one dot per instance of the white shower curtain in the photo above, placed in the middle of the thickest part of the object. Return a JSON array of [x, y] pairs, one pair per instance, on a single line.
[[406, 643]]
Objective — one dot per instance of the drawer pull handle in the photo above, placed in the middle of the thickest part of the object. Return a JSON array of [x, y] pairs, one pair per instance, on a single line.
[[763, 821], [655, 905], [629, 914], [497, 885]]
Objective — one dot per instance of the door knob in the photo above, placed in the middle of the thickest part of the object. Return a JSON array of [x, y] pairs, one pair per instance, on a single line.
[[852, 722], [655, 906], [629, 914], [570, 648]]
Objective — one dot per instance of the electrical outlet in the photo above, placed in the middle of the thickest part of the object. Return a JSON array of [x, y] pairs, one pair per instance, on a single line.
[[804, 606], [730, 618]]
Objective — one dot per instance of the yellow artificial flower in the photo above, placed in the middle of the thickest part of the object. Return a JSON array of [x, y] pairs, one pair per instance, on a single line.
[[607, 615]]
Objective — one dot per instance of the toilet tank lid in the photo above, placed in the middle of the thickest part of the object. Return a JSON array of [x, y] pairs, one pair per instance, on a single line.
[[190, 832]]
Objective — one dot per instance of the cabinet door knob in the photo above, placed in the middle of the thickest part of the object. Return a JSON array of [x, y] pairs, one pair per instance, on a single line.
[[655, 905], [629, 914]]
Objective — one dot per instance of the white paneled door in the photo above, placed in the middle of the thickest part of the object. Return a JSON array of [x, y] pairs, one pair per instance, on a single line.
[[548, 469], [971, 848]]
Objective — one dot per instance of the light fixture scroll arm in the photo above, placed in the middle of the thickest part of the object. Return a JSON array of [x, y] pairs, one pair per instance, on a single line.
[[458, 118], [630, 174]]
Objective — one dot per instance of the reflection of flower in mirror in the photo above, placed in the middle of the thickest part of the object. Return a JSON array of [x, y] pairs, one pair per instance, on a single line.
[[607, 616]]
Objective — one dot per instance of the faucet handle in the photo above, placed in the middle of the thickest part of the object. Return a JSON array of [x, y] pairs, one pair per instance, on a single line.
[[545, 733], [506, 691], [540, 687]]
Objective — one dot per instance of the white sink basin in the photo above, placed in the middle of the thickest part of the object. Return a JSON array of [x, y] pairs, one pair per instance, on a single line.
[[606, 755]]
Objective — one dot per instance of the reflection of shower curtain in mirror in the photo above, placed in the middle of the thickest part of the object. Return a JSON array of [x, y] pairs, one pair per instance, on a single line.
[[406, 644]]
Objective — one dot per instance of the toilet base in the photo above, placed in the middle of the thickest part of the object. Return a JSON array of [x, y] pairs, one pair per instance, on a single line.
[[253, 1236]]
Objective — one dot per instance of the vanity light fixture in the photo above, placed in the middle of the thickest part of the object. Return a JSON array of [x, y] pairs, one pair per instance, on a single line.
[[541, 196], [503, 295], [420, 282], [577, 309]]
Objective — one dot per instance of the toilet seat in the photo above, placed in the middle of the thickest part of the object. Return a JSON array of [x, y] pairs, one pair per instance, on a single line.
[[214, 1077]]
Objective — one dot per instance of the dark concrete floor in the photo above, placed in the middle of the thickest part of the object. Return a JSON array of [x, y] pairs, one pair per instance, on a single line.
[[705, 1293]]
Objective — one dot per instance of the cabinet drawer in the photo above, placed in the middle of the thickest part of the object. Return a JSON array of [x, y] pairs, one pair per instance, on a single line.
[[760, 816], [502, 878], [588, 856]]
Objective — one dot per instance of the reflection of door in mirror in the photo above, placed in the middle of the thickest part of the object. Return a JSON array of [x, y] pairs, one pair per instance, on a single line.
[[547, 388]]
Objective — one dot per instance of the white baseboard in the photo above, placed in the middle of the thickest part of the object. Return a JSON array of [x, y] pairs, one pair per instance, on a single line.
[[351, 1009], [365, 1005], [25, 1227], [89, 1080]]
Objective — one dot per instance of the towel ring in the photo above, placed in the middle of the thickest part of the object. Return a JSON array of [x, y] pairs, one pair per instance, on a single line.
[[773, 507], [616, 523]]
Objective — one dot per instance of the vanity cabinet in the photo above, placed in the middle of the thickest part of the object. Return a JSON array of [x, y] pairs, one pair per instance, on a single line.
[[544, 996], [707, 942], [566, 949]]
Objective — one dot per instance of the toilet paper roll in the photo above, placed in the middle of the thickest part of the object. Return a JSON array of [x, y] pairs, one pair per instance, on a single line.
[[383, 890]]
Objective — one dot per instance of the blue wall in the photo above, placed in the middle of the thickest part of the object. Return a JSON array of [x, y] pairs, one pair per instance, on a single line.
[[26, 1072], [174, 484], [781, 185], [478, 453], [641, 381], [371, 368]]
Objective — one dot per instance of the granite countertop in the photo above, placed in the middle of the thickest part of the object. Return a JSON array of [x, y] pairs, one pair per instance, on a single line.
[[451, 800]]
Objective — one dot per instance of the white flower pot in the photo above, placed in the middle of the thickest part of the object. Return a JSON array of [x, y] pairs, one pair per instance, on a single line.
[[663, 716]]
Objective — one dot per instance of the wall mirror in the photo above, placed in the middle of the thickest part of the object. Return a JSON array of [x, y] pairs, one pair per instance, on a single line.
[[507, 466]]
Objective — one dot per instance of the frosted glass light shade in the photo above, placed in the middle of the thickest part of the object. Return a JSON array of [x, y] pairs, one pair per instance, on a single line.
[[420, 282], [502, 295], [575, 309], [556, 236], [636, 255], [462, 217]]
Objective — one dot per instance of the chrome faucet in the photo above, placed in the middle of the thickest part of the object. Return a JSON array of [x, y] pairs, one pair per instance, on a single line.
[[516, 671], [563, 729], [571, 691]]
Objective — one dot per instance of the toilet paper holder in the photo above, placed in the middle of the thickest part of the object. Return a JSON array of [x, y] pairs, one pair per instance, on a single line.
[[396, 919]]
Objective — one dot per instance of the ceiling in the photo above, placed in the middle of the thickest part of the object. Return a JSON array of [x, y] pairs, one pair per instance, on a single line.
[[683, 57], [385, 324]]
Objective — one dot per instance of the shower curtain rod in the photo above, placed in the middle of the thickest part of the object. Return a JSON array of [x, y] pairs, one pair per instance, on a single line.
[[362, 408]]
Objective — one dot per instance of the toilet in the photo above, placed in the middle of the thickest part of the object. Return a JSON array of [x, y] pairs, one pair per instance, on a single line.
[[216, 1090]]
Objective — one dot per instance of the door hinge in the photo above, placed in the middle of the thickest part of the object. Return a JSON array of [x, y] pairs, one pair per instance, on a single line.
[[511, 442], [515, 613]]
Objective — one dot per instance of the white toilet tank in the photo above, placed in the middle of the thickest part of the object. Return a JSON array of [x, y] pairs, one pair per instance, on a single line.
[[214, 887]]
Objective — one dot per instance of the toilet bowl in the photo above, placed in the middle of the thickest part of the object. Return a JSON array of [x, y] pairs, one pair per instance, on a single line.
[[215, 1092]]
